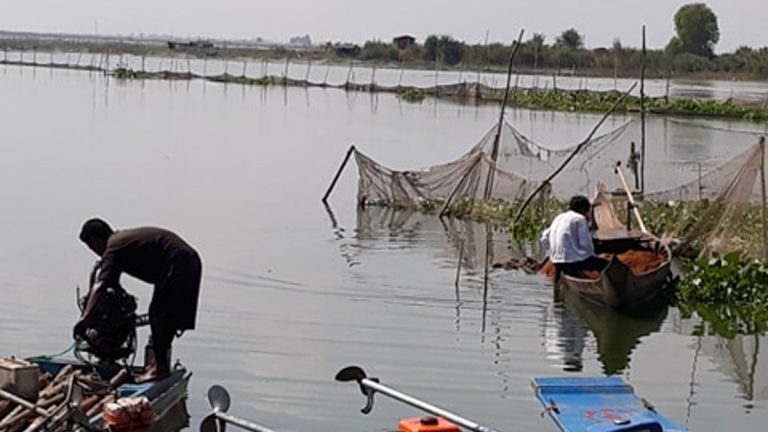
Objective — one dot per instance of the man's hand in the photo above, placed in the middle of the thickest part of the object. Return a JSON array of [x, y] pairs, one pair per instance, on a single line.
[[78, 332]]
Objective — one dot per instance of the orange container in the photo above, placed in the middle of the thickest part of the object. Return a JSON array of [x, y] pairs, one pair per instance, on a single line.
[[129, 415], [427, 424]]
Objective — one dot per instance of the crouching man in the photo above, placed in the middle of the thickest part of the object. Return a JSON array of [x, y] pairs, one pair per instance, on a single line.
[[155, 256]]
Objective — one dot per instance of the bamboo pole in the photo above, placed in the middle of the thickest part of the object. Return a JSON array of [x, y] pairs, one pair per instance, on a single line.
[[495, 150], [573, 154], [338, 173], [458, 265], [762, 184], [642, 117], [631, 201]]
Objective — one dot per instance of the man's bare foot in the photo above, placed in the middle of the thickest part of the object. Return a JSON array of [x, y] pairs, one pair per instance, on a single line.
[[153, 374]]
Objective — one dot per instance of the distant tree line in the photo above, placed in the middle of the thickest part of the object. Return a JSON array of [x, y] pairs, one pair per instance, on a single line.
[[691, 50]]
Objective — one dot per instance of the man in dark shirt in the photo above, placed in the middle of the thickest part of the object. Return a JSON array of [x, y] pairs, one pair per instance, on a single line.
[[155, 256]]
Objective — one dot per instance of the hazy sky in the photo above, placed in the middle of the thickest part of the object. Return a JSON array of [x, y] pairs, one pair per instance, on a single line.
[[742, 22]]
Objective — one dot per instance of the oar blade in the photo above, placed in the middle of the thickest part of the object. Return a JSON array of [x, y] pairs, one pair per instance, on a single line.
[[209, 424], [351, 373], [219, 399]]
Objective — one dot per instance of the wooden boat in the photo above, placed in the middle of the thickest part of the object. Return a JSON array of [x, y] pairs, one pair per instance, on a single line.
[[165, 396], [599, 404], [618, 285]]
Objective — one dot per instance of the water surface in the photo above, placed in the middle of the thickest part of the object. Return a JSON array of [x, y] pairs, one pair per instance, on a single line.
[[292, 293]]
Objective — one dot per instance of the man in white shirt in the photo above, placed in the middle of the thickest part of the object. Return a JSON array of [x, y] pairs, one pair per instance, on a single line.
[[570, 242]]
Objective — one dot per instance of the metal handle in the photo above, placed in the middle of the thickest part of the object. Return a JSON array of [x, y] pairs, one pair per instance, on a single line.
[[216, 421], [371, 385]]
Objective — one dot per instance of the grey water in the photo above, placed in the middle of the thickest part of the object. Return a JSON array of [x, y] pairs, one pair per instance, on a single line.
[[292, 291], [755, 92]]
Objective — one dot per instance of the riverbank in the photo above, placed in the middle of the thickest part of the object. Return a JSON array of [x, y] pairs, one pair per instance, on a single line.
[[552, 98]]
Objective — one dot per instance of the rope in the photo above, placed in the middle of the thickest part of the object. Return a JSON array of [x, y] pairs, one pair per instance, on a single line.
[[66, 351]]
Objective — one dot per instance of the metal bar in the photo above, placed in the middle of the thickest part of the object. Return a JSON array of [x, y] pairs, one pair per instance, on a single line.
[[245, 424], [424, 406]]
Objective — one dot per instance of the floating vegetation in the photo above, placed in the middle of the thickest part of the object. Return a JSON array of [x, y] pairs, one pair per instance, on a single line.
[[595, 101], [126, 73], [729, 292], [412, 95]]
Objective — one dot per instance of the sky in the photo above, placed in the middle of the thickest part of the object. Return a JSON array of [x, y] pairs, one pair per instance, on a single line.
[[601, 21]]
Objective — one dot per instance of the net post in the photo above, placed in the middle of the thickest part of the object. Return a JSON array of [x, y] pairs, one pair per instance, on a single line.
[[642, 117], [338, 173], [762, 184]]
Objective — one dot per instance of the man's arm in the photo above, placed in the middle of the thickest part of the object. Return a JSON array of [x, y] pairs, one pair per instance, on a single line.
[[545, 237], [107, 275], [585, 237]]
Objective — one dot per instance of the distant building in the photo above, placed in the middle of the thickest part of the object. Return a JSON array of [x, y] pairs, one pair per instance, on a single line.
[[304, 41], [404, 41], [198, 45], [347, 50]]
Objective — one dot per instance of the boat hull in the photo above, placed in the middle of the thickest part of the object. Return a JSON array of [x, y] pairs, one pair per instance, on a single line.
[[617, 286], [163, 394]]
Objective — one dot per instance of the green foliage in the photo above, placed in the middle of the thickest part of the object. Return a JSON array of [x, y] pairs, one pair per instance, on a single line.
[[412, 95], [125, 73], [730, 292], [688, 62], [377, 50], [570, 39], [697, 29], [445, 48]]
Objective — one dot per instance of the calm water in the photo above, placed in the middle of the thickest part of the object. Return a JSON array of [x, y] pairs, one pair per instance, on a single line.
[[751, 91], [292, 293]]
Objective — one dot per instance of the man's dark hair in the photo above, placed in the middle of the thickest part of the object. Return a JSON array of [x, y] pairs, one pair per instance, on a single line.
[[95, 229], [579, 204]]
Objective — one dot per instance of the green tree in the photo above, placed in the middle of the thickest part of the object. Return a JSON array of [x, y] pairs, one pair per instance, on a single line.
[[697, 30], [571, 39], [445, 48]]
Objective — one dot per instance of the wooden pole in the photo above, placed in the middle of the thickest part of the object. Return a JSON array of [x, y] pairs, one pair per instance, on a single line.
[[573, 154], [338, 173], [458, 265], [487, 260], [642, 117], [495, 150], [762, 184], [631, 200]]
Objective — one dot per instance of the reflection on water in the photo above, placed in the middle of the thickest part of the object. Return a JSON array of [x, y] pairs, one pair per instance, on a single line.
[[290, 294], [617, 333]]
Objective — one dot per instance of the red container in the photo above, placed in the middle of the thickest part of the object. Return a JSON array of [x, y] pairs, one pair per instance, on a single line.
[[129, 415], [427, 424]]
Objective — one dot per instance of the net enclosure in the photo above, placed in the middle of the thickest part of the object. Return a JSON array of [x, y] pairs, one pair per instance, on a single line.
[[509, 168], [717, 212]]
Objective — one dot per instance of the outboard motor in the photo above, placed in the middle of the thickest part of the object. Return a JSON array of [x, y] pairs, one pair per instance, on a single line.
[[111, 335]]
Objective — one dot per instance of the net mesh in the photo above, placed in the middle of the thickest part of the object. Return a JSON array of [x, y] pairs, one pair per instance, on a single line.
[[724, 208], [520, 166]]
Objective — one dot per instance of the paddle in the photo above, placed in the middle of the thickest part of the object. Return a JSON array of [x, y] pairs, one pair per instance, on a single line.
[[369, 386], [217, 421], [630, 198]]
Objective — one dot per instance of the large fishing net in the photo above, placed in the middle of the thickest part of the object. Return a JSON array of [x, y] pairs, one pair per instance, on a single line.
[[509, 167], [721, 211]]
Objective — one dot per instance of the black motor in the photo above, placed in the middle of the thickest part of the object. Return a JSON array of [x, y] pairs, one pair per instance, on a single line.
[[111, 332]]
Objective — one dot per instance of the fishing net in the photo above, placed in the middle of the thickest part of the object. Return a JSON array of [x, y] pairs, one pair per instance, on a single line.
[[508, 168], [722, 210]]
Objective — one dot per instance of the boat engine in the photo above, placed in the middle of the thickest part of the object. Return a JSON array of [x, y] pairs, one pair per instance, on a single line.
[[111, 334]]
